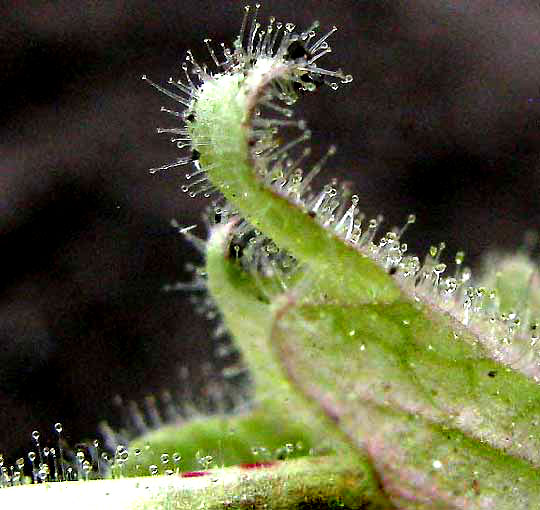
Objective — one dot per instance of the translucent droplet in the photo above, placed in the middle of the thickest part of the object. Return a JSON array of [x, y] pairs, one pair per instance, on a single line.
[[272, 248], [439, 268], [35, 435], [137, 451], [449, 286], [32, 456], [43, 472], [153, 469], [205, 461], [164, 458], [176, 457], [58, 427]]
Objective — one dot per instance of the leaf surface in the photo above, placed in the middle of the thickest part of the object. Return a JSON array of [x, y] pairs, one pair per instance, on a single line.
[[441, 425]]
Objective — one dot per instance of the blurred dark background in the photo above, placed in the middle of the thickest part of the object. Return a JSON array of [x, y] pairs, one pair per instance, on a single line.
[[442, 119]]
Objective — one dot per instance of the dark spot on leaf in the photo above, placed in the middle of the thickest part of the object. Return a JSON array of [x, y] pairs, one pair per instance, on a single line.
[[195, 155], [492, 373], [281, 454], [190, 117]]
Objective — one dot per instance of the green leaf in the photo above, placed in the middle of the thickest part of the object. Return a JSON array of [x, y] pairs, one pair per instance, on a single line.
[[441, 424], [249, 317], [260, 435]]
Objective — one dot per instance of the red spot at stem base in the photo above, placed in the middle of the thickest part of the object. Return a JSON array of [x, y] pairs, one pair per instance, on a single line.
[[194, 474], [257, 465]]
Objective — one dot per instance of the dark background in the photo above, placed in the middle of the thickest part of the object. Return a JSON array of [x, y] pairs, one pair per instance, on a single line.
[[442, 119]]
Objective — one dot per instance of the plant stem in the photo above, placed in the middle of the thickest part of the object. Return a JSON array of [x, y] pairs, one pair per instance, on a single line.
[[316, 482]]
